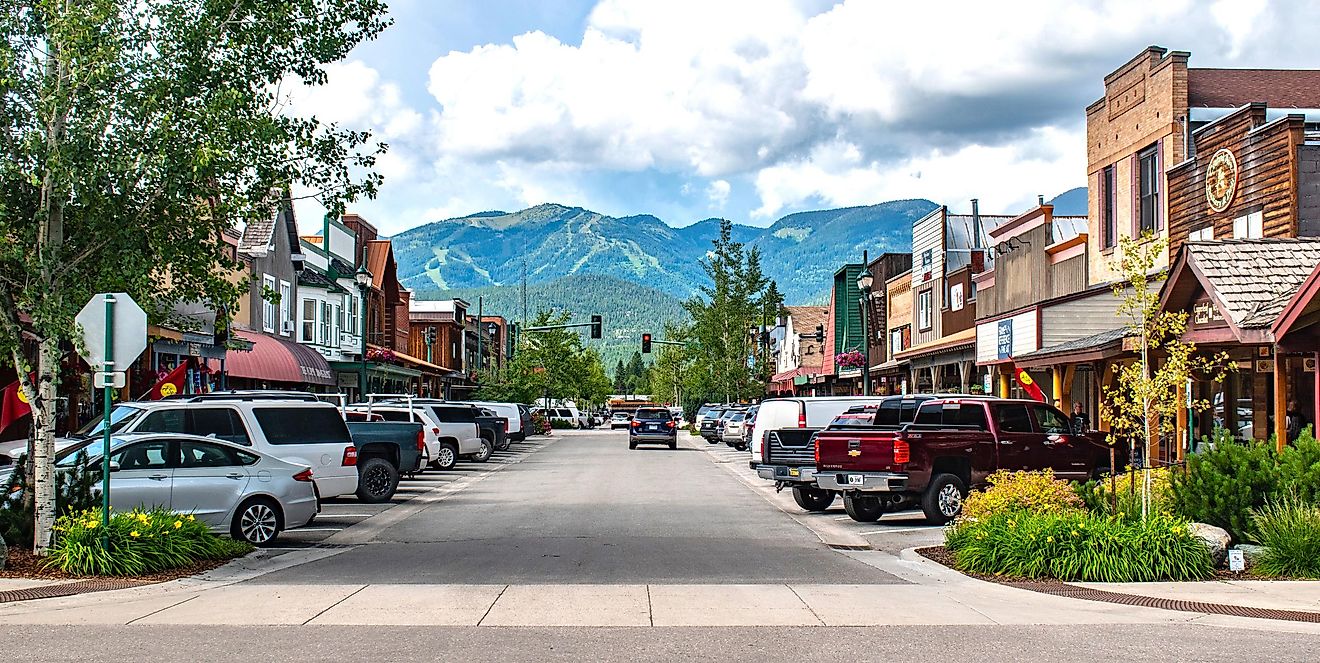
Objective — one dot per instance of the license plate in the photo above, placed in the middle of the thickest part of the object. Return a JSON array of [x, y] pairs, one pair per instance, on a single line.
[[793, 472], [652, 428], [856, 479]]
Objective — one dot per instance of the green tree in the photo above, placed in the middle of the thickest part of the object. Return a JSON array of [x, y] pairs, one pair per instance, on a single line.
[[635, 374], [620, 378], [135, 134], [724, 320], [1143, 404], [549, 364], [668, 375]]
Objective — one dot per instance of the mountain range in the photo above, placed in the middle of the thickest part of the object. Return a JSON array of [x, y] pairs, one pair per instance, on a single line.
[[636, 270]]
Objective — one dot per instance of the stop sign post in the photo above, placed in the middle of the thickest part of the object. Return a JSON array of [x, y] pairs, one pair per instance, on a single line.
[[114, 334]]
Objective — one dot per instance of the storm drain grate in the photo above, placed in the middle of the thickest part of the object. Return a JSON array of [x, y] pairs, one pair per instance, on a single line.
[[1089, 594], [69, 589]]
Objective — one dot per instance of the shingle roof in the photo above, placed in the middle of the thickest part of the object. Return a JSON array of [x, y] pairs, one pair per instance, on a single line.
[[1091, 342], [256, 237], [314, 278], [1230, 88], [1255, 278]]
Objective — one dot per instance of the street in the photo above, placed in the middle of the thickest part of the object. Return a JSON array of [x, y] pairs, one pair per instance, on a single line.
[[563, 546]]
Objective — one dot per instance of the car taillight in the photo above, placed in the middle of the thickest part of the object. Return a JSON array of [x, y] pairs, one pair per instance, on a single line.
[[636, 424], [902, 453], [802, 417], [421, 441], [669, 424], [350, 456], [817, 445], [305, 475], [506, 425]]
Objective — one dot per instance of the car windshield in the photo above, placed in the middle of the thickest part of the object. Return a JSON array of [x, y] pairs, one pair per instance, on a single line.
[[737, 416], [120, 417], [654, 414]]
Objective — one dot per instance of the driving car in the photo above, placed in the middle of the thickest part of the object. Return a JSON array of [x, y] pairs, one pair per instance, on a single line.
[[653, 426], [620, 420], [234, 489]]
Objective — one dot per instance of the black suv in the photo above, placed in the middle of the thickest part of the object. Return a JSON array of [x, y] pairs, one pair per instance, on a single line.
[[653, 426]]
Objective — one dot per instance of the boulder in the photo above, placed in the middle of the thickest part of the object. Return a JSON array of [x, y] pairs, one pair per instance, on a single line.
[[1216, 540]]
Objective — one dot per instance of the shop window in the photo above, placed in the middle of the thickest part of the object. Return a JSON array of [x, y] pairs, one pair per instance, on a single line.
[[924, 310], [1148, 182], [1108, 201], [1251, 226], [309, 321], [324, 320]]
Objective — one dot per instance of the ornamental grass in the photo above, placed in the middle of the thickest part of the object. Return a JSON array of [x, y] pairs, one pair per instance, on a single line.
[[137, 542]]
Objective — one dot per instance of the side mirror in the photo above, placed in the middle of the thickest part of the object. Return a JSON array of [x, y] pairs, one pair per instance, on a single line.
[[114, 467]]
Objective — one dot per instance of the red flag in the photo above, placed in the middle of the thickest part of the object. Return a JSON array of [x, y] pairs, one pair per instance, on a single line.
[[13, 405], [1028, 384], [171, 384]]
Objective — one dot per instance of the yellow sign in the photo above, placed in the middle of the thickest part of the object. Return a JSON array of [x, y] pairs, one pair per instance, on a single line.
[[168, 389], [1221, 178], [22, 395], [1025, 377]]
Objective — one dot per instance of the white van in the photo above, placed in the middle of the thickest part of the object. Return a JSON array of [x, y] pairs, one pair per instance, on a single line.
[[509, 411], [802, 412]]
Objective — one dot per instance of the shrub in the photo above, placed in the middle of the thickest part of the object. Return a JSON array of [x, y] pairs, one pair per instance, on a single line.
[[1299, 468], [1221, 486], [1033, 492], [1098, 498], [1289, 528], [139, 542], [74, 491], [560, 424], [1079, 546]]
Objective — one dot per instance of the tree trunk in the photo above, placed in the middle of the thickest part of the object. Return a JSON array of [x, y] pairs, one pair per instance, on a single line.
[[43, 456]]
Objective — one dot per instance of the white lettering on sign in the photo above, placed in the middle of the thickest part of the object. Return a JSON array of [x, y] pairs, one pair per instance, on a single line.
[[1204, 313]]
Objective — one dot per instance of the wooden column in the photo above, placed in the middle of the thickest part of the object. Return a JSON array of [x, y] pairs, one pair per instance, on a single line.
[[1056, 384], [1280, 400], [1103, 371], [1003, 382], [1181, 428]]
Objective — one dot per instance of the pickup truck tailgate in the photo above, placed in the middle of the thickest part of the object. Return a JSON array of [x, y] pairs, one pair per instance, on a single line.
[[859, 450]]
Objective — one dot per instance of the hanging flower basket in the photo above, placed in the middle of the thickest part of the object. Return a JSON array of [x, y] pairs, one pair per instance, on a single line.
[[382, 354], [852, 359]]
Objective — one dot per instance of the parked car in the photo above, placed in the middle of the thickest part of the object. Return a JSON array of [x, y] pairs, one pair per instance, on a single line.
[[516, 430], [733, 429], [952, 445], [294, 427], [233, 488], [710, 424], [452, 429], [800, 412], [386, 450], [493, 428], [620, 420], [705, 410], [748, 423], [787, 456], [653, 426]]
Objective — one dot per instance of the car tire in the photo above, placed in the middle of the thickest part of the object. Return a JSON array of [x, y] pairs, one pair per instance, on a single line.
[[813, 499], [377, 480], [484, 454], [943, 499], [862, 507], [632, 444], [505, 446], [710, 441], [446, 457], [740, 447], [258, 521], [673, 444]]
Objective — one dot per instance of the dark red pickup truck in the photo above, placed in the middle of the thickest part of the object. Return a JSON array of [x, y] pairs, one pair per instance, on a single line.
[[951, 446]]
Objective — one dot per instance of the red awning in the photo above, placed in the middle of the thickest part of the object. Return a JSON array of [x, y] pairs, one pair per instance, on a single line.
[[277, 360]]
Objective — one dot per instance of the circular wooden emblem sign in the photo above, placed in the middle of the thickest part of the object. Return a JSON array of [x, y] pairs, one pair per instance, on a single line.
[[1221, 179]]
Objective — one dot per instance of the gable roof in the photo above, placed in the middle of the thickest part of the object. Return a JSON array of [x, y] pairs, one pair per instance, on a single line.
[[1250, 280], [379, 255], [259, 235]]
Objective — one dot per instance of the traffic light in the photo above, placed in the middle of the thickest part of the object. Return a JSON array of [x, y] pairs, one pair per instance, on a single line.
[[595, 326], [646, 343], [820, 333]]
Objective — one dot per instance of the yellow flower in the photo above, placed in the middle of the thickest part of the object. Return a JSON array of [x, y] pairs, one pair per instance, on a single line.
[[191, 518], [178, 524], [1082, 525], [133, 534], [1049, 539], [91, 524], [1074, 532]]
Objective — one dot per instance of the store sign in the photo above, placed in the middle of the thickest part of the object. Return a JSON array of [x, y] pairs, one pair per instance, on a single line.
[[1221, 179], [1264, 365], [1004, 339], [956, 297], [1204, 313]]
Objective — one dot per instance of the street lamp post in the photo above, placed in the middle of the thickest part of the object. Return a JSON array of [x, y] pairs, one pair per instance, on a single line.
[[363, 279], [864, 283]]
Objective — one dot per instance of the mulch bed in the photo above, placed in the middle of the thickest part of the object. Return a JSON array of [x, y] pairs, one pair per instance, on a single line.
[[24, 564]]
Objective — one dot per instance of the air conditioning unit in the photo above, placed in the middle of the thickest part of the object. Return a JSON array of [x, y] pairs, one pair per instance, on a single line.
[[287, 328]]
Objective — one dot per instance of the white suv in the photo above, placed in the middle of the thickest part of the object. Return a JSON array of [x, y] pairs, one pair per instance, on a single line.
[[295, 428]]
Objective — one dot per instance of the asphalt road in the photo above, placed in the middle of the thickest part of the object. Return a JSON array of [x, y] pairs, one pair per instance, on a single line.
[[586, 509]]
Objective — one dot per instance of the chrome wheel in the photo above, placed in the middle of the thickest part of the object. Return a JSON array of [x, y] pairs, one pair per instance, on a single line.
[[444, 458], [258, 523], [950, 500]]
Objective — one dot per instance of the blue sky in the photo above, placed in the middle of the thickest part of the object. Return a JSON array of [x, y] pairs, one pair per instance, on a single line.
[[754, 109]]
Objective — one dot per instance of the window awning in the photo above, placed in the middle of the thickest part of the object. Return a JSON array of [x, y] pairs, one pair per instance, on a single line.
[[277, 360]]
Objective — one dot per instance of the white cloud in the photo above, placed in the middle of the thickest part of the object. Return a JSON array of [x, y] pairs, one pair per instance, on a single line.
[[865, 102]]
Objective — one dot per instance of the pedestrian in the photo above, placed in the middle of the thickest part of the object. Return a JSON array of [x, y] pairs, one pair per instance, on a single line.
[[1294, 422], [1081, 422]]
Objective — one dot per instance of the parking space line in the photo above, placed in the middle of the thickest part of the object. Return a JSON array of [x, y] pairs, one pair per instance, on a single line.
[[903, 529]]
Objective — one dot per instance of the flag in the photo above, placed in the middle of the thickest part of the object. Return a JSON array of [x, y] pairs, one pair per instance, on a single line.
[[1028, 384], [171, 384], [13, 405]]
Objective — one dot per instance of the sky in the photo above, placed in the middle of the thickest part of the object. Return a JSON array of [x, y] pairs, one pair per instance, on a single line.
[[750, 110]]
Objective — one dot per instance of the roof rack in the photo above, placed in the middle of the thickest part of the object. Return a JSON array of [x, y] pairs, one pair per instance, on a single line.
[[254, 395]]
